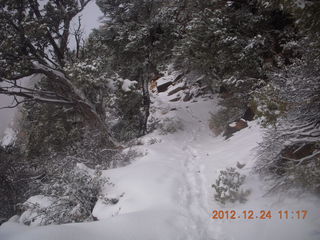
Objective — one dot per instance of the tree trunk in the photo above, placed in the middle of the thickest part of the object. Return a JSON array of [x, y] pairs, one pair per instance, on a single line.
[[146, 98]]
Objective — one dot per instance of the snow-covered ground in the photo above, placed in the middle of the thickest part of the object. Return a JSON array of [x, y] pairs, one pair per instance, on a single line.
[[166, 193]]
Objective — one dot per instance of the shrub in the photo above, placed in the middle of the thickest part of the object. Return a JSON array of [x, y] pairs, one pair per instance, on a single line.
[[170, 125], [232, 109], [123, 158], [69, 198], [15, 176], [228, 187], [153, 140], [267, 105], [306, 175], [219, 121]]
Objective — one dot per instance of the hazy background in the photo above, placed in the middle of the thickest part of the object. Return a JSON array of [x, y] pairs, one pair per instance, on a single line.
[[90, 20], [6, 115]]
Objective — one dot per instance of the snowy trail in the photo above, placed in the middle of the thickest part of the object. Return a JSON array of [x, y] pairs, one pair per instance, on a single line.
[[196, 184], [193, 194], [195, 191]]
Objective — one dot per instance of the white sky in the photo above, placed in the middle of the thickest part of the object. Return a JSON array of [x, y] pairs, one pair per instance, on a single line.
[[90, 20]]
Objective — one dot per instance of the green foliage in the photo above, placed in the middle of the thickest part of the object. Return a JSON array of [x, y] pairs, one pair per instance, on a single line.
[[30, 32], [128, 108], [267, 105], [72, 196], [289, 151], [232, 109], [14, 181], [304, 173], [216, 43], [305, 12], [220, 120], [138, 33], [46, 128], [152, 141], [228, 187]]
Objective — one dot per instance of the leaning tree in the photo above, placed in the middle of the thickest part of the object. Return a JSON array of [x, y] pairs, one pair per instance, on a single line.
[[34, 40]]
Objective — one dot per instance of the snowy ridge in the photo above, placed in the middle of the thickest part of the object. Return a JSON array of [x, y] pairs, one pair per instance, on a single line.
[[166, 194]]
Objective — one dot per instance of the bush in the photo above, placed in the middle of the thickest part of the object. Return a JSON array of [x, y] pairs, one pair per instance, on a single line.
[[169, 125], [123, 158], [290, 151], [219, 121], [232, 109], [69, 197], [292, 162], [306, 175], [268, 106], [15, 179], [153, 140], [228, 187]]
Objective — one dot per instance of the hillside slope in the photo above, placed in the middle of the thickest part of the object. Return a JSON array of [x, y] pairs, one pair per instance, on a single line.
[[166, 193]]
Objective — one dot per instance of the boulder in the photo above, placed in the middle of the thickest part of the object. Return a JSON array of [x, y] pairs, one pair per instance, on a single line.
[[249, 114], [173, 91], [298, 151], [178, 77], [235, 127], [175, 99], [153, 85], [187, 97], [164, 86], [294, 153]]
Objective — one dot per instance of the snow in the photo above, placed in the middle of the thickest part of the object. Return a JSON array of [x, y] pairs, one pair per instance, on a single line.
[[301, 3], [167, 77], [166, 193], [8, 138], [127, 85], [111, 84], [35, 220], [233, 124]]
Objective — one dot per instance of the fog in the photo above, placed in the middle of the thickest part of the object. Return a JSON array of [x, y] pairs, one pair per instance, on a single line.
[[6, 115]]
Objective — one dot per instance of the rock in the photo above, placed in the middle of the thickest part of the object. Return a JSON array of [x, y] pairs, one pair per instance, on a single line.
[[153, 82], [223, 89], [224, 92], [294, 153], [205, 89], [163, 87], [298, 151], [175, 99], [178, 77], [240, 166], [249, 114], [235, 127], [200, 80], [153, 85], [173, 91], [187, 97]]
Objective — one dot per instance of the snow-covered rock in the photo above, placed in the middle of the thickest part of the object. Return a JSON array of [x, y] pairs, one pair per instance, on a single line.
[[9, 137]]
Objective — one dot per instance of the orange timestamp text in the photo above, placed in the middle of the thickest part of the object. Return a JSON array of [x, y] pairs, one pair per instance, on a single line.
[[262, 214]]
